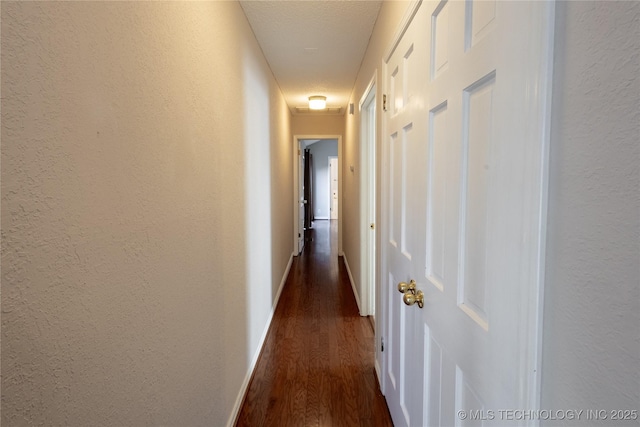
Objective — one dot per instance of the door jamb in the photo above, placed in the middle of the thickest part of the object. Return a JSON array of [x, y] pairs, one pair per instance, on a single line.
[[330, 196], [368, 144]]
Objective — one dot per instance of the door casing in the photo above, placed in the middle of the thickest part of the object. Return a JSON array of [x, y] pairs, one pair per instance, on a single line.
[[296, 158], [333, 214], [368, 188]]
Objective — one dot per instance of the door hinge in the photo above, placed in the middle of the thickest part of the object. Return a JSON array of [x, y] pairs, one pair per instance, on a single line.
[[381, 343], [384, 102]]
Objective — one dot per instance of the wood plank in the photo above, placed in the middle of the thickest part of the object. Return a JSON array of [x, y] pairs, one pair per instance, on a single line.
[[317, 364]]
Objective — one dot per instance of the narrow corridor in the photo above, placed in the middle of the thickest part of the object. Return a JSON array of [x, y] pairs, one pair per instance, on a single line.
[[317, 364]]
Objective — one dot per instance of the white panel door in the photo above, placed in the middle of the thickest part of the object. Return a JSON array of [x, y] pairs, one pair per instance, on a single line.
[[464, 160]]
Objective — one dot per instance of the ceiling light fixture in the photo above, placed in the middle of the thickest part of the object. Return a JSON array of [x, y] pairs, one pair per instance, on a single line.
[[317, 102]]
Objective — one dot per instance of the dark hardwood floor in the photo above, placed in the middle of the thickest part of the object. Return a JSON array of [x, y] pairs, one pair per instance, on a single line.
[[316, 366]]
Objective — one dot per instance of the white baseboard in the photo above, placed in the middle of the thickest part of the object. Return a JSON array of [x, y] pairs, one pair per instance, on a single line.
[[353, 285], [254, 360], [321, 218], [377, 368]]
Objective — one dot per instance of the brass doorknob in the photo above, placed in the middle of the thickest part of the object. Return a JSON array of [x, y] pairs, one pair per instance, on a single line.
[[411, 298], [404, 287]]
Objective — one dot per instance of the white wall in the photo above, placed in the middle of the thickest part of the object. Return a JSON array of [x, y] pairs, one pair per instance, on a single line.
[[321, 152], [131, 155], [591, 348]]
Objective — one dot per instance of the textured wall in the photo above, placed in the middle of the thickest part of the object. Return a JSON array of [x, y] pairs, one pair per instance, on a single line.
[[317, 125], [127, 135], [591, 350]]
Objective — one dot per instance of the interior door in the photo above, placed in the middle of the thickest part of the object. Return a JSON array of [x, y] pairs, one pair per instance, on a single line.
[[301, 201], [464, 155], [333, 181]]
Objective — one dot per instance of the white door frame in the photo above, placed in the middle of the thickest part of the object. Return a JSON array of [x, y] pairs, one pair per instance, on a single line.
[[331, 214], [368, 145], [298, 165], [295, 148]]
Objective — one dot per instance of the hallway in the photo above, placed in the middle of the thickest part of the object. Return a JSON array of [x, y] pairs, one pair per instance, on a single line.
[[149, 212], [317, 363]]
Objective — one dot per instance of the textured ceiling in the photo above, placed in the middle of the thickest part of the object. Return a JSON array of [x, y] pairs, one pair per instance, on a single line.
[[313, 47]]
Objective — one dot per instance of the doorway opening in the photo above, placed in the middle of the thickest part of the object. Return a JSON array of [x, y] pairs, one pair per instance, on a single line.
[[311, 155]]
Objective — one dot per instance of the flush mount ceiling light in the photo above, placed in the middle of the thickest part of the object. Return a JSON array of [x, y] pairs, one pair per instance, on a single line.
[[317, 102]]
